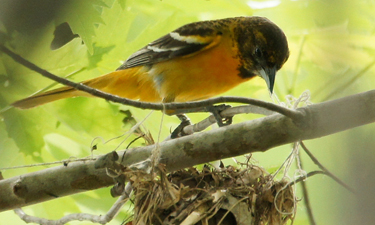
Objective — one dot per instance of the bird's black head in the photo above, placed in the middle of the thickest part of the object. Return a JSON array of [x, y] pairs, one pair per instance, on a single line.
[[263, 48]]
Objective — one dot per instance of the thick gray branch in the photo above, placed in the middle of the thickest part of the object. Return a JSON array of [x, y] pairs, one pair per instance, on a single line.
[[237, 139]]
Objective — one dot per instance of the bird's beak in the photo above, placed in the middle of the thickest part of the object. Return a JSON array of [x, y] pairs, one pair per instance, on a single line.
[[268, 74]]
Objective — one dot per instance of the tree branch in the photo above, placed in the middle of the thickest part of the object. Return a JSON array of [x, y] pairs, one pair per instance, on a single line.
[[196, 106], [237, 139]]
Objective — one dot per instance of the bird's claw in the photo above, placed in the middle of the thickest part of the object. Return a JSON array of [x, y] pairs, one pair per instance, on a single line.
[[179, 131], [216, 110]]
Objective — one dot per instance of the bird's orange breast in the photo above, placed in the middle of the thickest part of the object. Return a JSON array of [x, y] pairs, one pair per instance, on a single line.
[[202, 75]]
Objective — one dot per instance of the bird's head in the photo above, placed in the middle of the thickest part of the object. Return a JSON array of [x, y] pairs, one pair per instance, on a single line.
[[263, 48]]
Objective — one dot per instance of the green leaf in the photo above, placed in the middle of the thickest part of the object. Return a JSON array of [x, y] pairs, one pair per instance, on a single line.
[[82, 16], [23, 130], [97, 56]]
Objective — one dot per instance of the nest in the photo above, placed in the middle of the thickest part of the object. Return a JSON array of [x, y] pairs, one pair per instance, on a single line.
[[228, 195]]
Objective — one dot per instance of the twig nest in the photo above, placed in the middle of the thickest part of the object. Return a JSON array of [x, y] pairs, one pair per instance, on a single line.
[[235, 196]]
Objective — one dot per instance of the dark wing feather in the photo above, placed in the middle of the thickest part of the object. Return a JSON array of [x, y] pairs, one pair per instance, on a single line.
[[184, 41]]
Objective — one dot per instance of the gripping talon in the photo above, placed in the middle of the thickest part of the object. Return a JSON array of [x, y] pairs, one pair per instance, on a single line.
[[179, 131], [216, 110]]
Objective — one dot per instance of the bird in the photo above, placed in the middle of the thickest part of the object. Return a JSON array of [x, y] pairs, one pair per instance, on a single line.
[[194, 62]]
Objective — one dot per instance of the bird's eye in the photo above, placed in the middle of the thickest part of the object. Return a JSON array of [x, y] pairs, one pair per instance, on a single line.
[[258, 53]]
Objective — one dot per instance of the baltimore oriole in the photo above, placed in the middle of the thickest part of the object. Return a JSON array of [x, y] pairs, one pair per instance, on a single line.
[[196, 61]]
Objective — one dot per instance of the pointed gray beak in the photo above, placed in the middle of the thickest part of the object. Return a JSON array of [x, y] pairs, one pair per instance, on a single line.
[[268, 74]]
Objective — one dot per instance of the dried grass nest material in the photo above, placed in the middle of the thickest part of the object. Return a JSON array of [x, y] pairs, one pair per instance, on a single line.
[[229, 195]]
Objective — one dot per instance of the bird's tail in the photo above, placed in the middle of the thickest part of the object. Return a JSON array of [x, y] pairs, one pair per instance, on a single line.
[[130, 83], [46, 97]]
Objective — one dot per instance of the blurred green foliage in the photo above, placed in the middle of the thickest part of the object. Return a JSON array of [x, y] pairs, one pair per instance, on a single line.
[[332, 55]]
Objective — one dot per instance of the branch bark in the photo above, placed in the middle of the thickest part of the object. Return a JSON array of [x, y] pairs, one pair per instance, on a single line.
[[251, 136]]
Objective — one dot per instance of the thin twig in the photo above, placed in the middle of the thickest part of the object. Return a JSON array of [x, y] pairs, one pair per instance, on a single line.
[[298, 62], [293, 114], [343, 87], [232, 111], [306, 198], [101, 219], [65, 161], [326, 171], [302, 178]]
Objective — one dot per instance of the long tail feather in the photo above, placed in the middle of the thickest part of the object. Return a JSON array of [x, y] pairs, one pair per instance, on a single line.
[[46, 97], [130, 83]]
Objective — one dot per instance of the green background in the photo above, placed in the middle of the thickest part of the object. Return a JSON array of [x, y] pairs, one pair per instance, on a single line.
[[332, 55]]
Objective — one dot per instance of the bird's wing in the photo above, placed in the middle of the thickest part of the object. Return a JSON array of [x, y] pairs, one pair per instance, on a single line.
[[185, 41]]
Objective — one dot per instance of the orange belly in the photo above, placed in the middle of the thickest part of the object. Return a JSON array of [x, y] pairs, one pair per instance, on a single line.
[[200, 76]]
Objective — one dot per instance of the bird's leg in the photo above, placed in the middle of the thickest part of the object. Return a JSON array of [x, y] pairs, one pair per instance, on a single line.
[[185, 121], [179, 131], [216, 110]]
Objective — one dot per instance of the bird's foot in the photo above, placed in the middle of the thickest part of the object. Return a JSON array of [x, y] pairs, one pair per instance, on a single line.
[[179, 131], [216, 110]]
